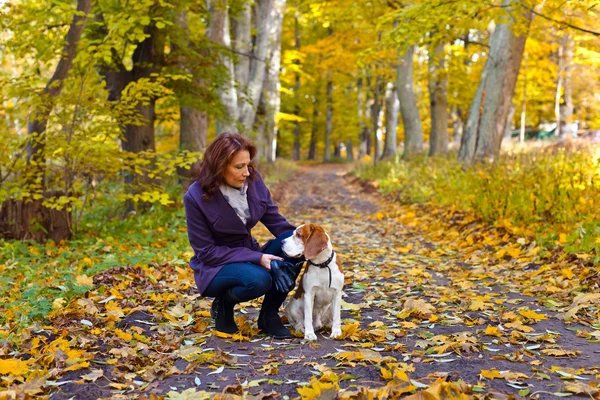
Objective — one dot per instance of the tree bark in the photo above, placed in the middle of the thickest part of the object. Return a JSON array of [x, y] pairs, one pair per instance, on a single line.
[[362, 147], [376, 120], [413, 136], [193, 123], [349, 150], [488, 112], [438, 92], [30, 219], [296, 149], [392, 107], [312, 150], [272, 83], [243, 47], [457, 124], [564, 108], [217, 30], [257, 64], [328, 120]]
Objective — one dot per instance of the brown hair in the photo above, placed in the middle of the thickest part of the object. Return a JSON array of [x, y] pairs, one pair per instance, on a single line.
[[217, 157]]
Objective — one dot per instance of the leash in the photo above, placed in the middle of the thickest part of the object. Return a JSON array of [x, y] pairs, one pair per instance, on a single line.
[[324, 265]]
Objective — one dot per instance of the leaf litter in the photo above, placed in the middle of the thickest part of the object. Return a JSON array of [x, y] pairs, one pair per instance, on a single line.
[[436, 306]]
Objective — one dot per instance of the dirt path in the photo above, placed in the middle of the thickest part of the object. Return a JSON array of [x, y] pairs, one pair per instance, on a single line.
[[414, 305]]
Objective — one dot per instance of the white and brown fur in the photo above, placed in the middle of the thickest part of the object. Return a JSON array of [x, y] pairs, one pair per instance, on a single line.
[[315, 303]]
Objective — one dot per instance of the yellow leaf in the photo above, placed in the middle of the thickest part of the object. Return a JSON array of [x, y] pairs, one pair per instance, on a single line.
[[123, 335], [59, 303], [14, 367], [532, 315], [491, 373], [92, 376], [514, 252], [567, 273], [84, 280], [492, 331], [562, 238], [78, 366]]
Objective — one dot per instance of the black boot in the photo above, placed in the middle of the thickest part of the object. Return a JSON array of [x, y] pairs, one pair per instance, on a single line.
[[222, 312], [268, 318]]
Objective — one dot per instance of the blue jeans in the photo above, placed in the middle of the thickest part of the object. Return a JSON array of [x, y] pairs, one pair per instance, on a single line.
[[247, 281]]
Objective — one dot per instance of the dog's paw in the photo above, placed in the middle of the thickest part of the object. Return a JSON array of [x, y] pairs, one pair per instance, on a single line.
[[335, 333], [310, 336]]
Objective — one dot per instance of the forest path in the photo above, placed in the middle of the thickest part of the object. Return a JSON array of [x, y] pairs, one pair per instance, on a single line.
[[425, 305]]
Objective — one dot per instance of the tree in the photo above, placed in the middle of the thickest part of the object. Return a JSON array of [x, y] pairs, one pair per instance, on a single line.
[[392, 107], [413, 136], [29, 218], [489, 110], [438, 89]]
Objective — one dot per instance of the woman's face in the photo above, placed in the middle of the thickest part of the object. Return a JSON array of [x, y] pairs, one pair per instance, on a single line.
[[237, 171]]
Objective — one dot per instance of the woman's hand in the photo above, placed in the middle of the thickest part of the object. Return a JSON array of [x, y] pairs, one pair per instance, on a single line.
[[265, 260]]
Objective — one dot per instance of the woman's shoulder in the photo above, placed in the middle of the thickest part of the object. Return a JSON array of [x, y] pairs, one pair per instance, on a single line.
[[194, 192]]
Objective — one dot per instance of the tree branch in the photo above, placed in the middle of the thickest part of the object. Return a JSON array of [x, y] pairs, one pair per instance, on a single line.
[[562, 22]]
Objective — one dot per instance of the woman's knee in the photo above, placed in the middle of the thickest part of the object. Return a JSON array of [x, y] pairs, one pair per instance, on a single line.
[[262, 282], [256, 284]]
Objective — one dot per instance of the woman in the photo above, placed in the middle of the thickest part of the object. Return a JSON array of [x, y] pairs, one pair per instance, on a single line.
[[222, 206]]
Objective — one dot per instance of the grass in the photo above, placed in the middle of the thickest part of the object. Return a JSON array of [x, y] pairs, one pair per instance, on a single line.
[[551, 194]]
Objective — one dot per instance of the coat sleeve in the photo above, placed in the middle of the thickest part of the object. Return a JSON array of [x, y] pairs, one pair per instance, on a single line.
[[203, 243], [272, 219]]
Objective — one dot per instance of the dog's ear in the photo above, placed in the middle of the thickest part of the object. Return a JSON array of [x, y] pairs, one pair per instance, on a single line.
[[316, 242]]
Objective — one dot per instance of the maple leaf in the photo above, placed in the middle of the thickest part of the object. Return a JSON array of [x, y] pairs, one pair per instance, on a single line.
[[527, 313], [492, 331], [92, 376], [14, 367], [319, 389], [491, 374]]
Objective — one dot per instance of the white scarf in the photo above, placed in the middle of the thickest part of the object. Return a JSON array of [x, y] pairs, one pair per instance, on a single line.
[[237, 199]]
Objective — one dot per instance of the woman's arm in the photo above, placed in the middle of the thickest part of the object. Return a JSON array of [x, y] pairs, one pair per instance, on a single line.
[[203, 243]]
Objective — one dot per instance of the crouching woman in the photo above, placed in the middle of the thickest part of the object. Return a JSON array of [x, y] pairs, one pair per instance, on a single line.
[[225, 202]]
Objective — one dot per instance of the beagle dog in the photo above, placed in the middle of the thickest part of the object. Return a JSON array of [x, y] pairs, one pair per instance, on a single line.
[[318, 299]]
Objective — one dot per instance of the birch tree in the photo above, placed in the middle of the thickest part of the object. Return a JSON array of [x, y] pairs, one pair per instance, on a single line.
[[392, 107]]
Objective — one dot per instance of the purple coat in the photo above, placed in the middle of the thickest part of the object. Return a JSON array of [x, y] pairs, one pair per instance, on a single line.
[[218, 236]]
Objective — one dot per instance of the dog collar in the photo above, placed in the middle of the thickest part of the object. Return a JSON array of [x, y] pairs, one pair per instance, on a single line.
[[324, 265]]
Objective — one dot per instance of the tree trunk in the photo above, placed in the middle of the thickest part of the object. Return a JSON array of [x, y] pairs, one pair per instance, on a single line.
[[438, 91], [272, 84], [564, 108], [375, 119], [392, 107], [296, 150], [328, 120], [362, 147], [337, 150], [487, 115], [413, 136], [30, 219], [349, 150], [312, 150], [508, 128], [457, 124], [217, 30], [243, 47], [193, 123], [257, 64]]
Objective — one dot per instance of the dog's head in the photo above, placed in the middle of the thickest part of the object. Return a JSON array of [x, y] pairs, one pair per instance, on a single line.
[[308, 240]]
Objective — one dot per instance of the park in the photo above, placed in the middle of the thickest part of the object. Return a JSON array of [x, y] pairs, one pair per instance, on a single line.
[[450, 149]]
